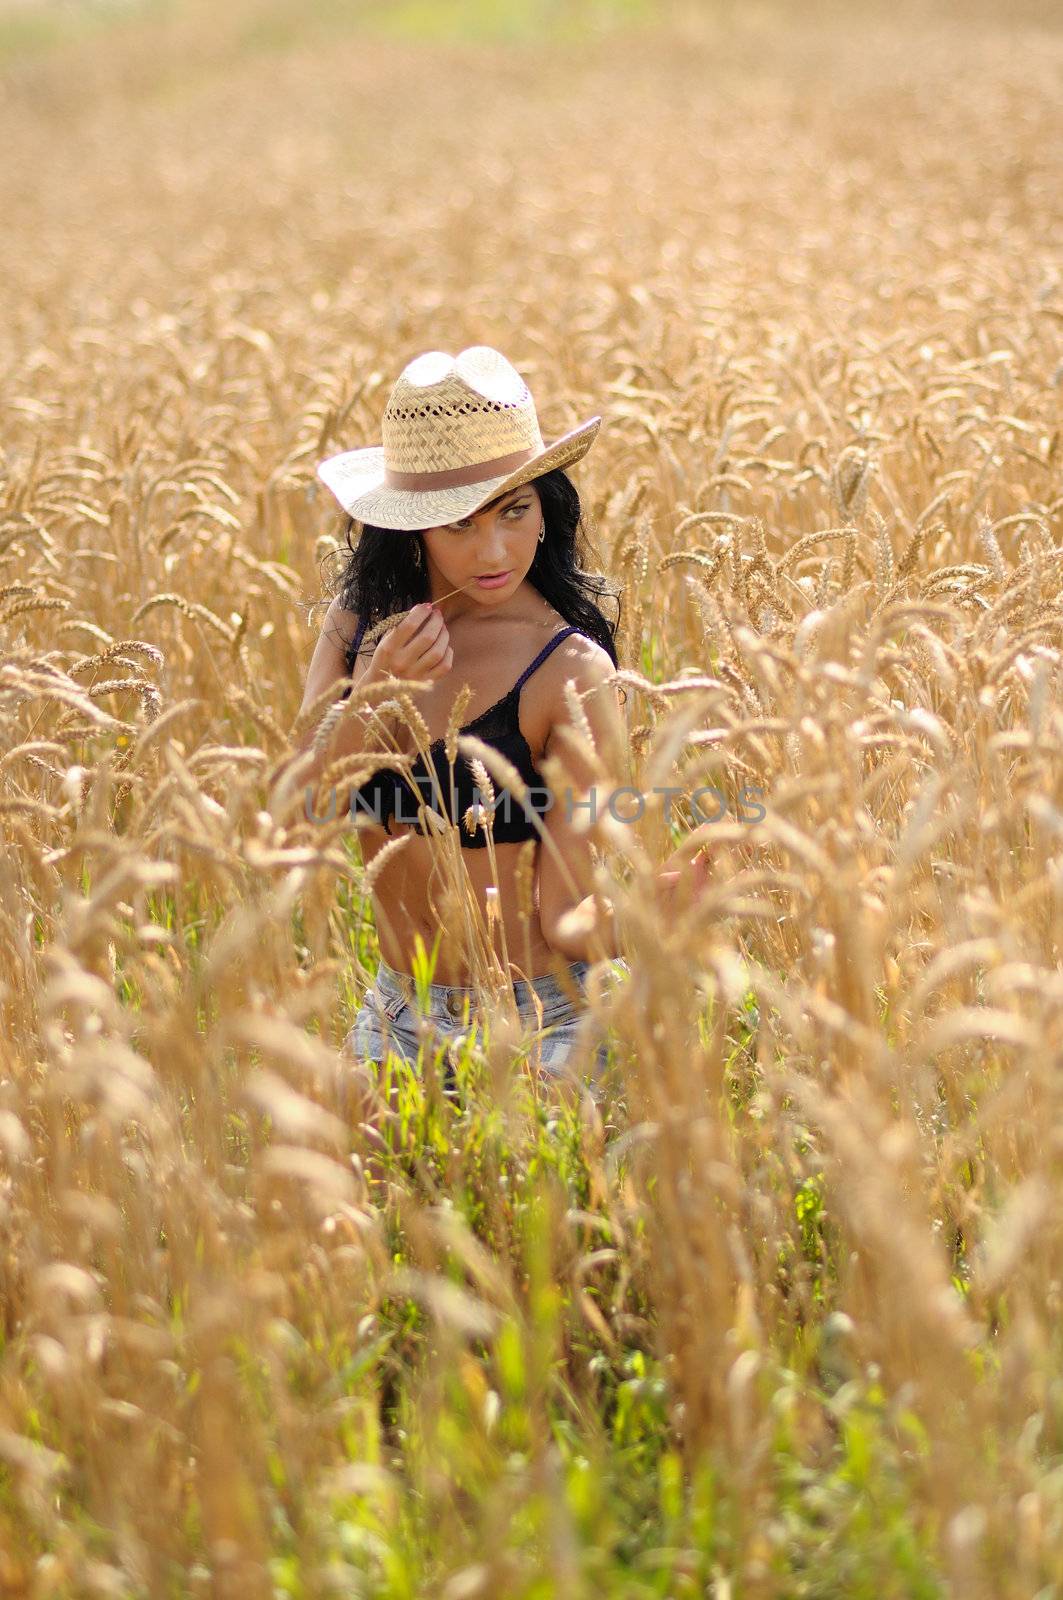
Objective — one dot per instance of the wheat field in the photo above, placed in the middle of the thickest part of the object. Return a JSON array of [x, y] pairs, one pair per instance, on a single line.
[[780, 1317]]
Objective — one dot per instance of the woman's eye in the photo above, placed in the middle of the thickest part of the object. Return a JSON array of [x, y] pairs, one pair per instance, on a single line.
[[459, 527]]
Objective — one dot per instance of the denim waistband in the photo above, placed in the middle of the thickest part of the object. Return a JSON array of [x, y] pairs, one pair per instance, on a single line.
[[447, 1001]]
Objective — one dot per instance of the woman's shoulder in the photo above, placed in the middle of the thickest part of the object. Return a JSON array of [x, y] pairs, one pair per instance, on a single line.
[[341, 633], [572, 655], [581, 665], [580, 655], [574, 645], [340, 622], [342, 627]]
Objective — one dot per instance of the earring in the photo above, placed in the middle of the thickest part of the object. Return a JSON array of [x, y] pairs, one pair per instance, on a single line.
[[542, 532]]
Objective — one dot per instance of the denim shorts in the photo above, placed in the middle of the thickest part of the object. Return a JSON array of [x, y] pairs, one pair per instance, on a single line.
[[389, 1018]]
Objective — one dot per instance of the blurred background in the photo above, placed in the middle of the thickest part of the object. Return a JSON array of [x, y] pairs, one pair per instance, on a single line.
[[782, 1320]]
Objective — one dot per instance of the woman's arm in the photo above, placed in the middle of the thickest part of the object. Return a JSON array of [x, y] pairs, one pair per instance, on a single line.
[[576, 921], [328, 665]]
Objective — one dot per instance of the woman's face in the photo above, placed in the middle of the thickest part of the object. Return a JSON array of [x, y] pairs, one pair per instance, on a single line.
[[501, 538]]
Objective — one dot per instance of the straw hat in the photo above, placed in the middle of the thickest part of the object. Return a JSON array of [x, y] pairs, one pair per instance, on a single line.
[[458, 431]]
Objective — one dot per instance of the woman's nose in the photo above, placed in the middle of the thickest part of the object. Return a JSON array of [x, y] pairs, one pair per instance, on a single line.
[[493, 537]]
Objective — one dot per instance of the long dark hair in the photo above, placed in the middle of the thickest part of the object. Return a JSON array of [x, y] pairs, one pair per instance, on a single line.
[[385, 573]]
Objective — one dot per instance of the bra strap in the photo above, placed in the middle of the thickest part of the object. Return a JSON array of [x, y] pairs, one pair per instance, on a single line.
[[541, 657], [357, 641]]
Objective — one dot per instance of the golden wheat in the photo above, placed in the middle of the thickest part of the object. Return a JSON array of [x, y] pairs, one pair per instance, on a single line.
[[826, 1193]]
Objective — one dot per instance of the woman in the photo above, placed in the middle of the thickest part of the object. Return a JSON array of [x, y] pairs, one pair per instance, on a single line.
[[469, 529]]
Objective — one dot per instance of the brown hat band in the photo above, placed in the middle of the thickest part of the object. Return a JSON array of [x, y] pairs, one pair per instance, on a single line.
[[458, 477]]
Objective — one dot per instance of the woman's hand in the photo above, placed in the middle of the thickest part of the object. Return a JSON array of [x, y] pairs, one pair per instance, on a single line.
[[689, 866], [418, 646]]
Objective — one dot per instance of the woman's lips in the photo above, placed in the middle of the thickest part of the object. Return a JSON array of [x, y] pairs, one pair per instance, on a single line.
[[494, 580]]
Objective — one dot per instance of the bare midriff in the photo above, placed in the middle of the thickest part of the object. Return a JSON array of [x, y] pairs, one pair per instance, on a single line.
[[409, 898]]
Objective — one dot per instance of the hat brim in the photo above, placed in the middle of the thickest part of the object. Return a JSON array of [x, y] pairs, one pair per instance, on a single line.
[[357, 479]]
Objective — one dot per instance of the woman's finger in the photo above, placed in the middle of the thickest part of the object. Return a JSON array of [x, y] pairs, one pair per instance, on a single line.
[[408, 625], [434, 650]]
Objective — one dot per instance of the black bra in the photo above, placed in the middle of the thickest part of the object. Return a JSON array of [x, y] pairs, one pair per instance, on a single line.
[[389, 793]]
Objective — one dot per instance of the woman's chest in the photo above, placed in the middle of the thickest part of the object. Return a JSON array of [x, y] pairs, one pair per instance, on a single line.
[[517, 722]]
